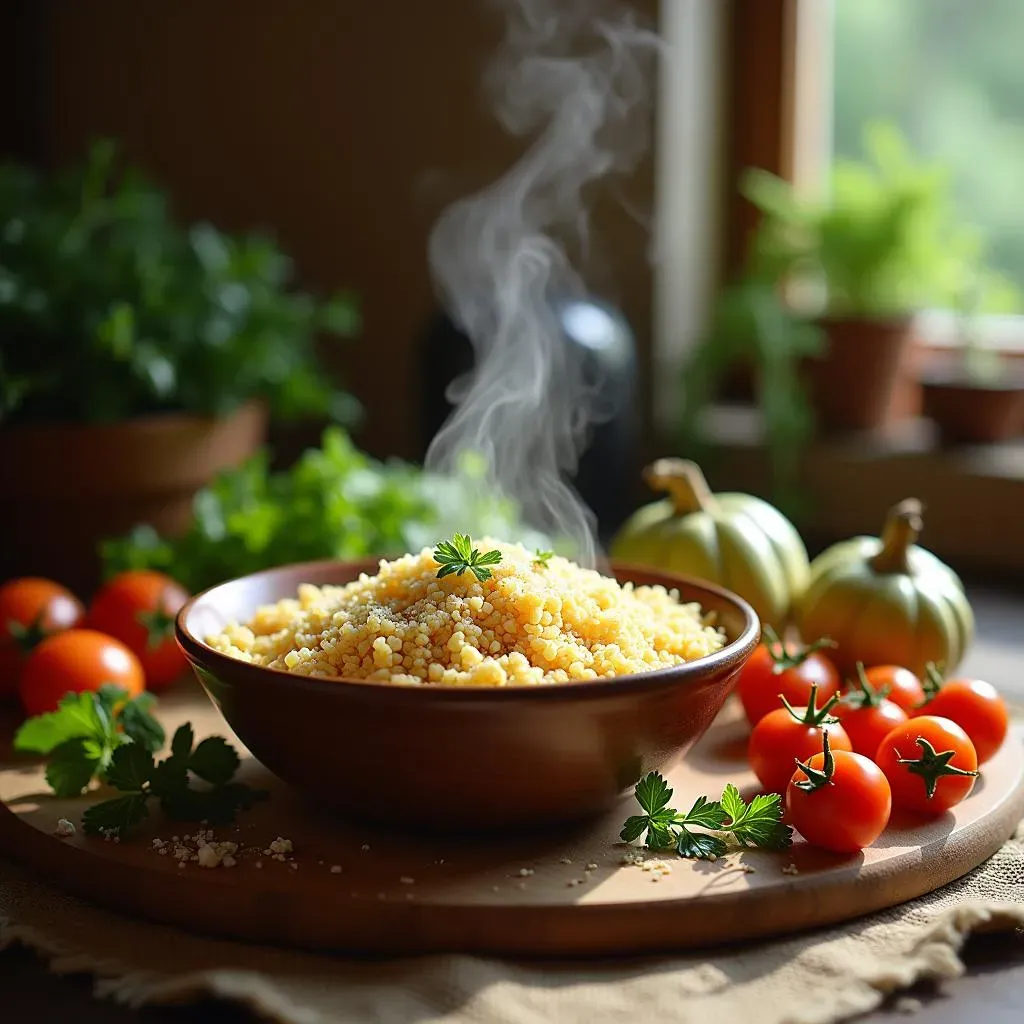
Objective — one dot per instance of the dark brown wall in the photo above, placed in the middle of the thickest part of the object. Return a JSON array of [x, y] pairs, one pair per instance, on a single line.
[[345, 126]]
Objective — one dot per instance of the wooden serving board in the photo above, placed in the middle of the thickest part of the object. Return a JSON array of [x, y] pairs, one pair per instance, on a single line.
[[554, 895]]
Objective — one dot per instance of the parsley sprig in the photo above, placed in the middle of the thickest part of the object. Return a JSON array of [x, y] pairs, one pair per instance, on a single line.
[[140, 777], [541, 558], [756, 824], [82, 736], [458, 555]]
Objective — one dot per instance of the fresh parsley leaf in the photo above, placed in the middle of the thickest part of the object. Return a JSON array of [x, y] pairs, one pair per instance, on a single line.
[[660, 834], [139, 724], [181, 742], [169, 776], [71, 766], [704, 812], [76, 715], [653, 793], [217, 805], [131, 768], [117, 815], [542, 558], [214, 760], [758, 824], [633, 828], [458, 556], [733, 805], [110, 695], [700, 845]]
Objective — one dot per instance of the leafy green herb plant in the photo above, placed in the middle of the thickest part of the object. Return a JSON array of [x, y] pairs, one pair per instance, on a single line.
[[335, 502], [757, 824], [109, 309]]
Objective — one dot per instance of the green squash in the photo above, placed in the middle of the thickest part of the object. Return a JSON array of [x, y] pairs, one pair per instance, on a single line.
[[736, 540], [887, 601]]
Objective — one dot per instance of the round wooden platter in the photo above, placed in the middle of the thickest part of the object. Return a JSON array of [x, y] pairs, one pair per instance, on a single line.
[[354, 888]]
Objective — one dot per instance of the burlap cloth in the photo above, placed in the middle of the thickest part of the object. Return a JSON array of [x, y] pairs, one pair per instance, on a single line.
[[813, 978]]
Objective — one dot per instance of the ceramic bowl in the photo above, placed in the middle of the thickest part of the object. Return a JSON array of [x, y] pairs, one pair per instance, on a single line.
[[446, 757]]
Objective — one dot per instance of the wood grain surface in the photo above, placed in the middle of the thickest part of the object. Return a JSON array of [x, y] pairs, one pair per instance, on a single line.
[[567, 893]]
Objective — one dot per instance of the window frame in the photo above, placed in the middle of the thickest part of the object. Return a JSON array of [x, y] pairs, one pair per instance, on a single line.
[[781, 82]]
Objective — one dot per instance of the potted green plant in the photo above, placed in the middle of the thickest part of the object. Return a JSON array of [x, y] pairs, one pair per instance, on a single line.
[[751, 327], [977, 395], [137, 359], [881, 246]]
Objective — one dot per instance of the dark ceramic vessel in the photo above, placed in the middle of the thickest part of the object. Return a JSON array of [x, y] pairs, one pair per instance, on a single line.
[[445, 757]]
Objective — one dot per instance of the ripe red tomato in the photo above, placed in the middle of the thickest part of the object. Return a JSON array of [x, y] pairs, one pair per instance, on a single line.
[[788, 735], [867, 715], [787, 669], [930, 762], [138, 608], [76, 660], [905, 688], [30, 609], [974, 705], [839, 801]]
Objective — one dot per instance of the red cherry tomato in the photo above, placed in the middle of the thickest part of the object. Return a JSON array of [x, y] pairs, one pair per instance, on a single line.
[[788, 735], [904, 687], [839, 801], [787, 669], [76, 660], [30, 609], [974, 705], [867, 715], [930, 762], [138, 608]]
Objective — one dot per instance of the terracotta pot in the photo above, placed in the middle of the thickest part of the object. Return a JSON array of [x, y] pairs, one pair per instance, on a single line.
[[855, 383], [968, 412], [69, 486]]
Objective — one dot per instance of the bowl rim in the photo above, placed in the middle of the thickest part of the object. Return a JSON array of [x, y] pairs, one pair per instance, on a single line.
[[210, 660]]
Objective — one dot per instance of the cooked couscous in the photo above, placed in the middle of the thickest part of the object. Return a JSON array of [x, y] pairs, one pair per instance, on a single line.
[[530, 621]]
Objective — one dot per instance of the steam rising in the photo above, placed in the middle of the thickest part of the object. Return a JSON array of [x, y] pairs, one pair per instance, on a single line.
[[575, 76]]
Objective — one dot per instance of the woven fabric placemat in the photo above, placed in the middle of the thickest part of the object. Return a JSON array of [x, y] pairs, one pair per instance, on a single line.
[[814, 978]]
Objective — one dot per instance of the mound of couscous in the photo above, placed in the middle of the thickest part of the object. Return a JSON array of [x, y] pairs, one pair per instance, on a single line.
[[529, 621]]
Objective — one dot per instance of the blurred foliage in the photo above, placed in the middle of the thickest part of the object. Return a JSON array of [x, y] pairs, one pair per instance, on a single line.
[[335, 502], [108, 309], [884, 239], [949, 74]]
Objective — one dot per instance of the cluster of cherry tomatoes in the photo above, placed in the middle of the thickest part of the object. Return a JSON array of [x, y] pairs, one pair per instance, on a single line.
[[51, 644], [844, 754]]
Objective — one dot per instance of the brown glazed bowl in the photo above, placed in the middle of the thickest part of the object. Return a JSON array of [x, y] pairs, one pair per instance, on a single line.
[[449, 757]]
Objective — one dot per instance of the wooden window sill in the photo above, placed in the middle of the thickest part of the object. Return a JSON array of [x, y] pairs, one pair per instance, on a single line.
[[973, 495]]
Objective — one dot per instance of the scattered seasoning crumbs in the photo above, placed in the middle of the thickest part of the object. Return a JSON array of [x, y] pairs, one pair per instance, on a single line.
[[364, 847], [525, 872], [791, 869], [65, 829], [406, 880], [335, 869], [565, 860], [591, 867]]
